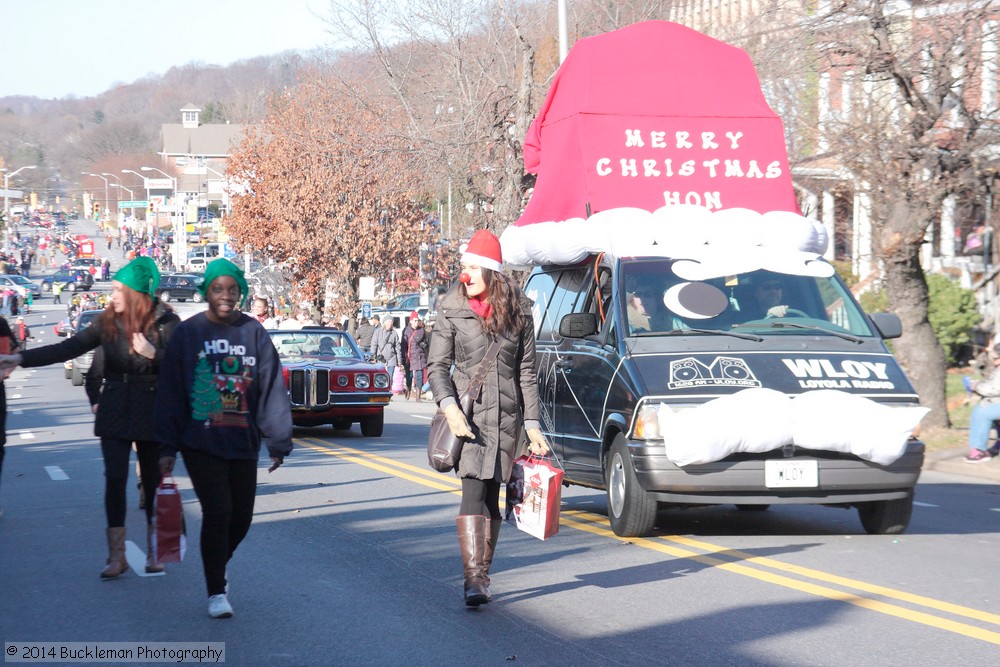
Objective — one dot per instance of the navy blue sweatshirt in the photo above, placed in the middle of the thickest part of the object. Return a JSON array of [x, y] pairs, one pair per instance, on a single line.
[[221, 391]]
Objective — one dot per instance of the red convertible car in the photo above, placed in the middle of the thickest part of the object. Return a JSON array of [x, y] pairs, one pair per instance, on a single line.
[[330, 381]]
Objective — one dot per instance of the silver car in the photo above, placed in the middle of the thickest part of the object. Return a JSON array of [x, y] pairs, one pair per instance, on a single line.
[[21, 285]]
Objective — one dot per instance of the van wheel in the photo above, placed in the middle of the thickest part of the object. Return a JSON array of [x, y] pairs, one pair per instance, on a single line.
[[165, 296], [886, 517], [197, 297], [70, 287], [371, 427], [631, 510]]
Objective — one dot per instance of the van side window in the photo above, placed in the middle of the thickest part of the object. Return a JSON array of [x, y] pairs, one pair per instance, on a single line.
[[539, 289], [555, 295], [569, 291]]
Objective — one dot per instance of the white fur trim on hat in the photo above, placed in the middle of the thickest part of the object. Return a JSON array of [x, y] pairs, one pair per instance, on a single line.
[[480, 261]]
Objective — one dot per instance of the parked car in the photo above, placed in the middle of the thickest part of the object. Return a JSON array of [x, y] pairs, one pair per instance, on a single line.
[[22, 282], [198, 264], [178, 287], [407, 301], [81, 364], [329, 380], [85, 264], [72, 280]]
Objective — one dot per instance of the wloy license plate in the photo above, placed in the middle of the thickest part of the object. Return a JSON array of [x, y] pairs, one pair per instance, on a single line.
[[786, 474]]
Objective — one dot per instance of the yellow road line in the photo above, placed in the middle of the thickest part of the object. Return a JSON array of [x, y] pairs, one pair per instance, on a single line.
[[595, 524]]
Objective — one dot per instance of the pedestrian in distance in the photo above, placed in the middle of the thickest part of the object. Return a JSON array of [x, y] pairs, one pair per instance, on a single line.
[[220, 394], [22, 332], [417, 345], [57, 288], [485, 307], [385, 348], [983, 416], [364, 334], [132, 333], [8, 345]]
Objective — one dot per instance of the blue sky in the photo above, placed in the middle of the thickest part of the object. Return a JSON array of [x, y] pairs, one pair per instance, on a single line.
[[58, 48]]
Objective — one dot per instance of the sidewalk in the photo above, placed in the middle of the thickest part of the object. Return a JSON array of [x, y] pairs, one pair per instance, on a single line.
[[950, 461]]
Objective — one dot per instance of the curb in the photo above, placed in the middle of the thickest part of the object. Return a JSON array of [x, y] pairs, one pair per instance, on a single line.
[[950, 461]]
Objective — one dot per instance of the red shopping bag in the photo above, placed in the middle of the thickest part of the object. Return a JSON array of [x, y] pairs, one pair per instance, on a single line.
[[534, 494], [171, 542]]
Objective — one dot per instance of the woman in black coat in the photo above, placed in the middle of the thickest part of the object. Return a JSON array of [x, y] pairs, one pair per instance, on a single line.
[[485, 307], [132, 333]]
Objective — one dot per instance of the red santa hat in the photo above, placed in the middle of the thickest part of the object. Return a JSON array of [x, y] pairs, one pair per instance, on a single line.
[[483, 250]]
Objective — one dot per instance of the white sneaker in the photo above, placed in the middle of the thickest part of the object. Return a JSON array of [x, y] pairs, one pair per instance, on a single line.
[[219, 607]]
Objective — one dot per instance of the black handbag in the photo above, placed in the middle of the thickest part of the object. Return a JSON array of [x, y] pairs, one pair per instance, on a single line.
[[444, 449]]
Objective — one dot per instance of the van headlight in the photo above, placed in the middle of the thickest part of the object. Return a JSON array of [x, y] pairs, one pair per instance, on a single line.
[[647, 424]]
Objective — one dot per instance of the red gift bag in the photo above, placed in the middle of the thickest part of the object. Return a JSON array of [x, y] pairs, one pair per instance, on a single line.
[[534, 494], [171, 542]]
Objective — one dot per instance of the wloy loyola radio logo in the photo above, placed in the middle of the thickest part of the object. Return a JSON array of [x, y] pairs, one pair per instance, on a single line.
[[723, 372]]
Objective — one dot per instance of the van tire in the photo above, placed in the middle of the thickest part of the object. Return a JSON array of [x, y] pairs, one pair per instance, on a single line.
[[631, 510], [197, 297], [165, 296], [886, 517]]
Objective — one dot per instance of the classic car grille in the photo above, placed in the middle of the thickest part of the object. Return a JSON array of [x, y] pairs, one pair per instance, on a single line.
[[309, 386], [321, 384], [297, 387]]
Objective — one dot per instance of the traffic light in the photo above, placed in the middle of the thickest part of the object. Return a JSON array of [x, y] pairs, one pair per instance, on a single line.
[[97, 210], [149, 206]]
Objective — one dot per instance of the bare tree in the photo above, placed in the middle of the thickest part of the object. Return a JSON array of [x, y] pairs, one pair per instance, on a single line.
[[909, 129], [330, 188]]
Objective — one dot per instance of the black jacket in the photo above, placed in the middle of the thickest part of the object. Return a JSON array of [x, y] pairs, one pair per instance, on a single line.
[[121, 383]]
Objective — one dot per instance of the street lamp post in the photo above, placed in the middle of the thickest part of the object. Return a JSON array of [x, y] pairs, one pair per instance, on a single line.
[[176, 224], [6, 202], [149, 225]]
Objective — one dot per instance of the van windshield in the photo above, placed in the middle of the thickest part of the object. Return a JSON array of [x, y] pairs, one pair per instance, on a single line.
[[657, 301]]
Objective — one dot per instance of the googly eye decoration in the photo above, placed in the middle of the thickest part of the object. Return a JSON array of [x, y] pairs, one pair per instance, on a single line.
[[695, 301]]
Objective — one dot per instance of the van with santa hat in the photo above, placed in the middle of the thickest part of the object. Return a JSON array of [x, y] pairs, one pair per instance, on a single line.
[[694, 345]]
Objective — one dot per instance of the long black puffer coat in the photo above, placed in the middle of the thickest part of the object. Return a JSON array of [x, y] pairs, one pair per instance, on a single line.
[[125, 403], [508, 402]]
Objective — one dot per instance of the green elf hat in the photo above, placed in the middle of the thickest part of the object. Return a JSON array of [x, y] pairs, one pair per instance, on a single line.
[[140, 274], [223, 267]]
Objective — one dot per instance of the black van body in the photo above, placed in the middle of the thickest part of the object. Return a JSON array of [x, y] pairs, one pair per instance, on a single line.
[[599, 374]]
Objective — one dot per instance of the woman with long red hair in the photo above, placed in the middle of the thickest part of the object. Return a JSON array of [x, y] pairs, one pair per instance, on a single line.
[[132, 333]]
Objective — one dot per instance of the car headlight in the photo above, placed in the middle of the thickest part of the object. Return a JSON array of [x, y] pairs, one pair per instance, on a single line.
[[381, 380], [362, 381], [647, 423]]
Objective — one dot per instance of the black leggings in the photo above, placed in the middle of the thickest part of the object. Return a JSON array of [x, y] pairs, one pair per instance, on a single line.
[[226, 489], [116, 455], [480, 497]]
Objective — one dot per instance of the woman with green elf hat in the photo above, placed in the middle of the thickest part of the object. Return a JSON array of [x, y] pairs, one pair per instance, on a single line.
[[132, 333], [221, 395]]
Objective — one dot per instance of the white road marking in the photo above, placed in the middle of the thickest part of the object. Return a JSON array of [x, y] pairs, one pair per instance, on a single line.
[[56, 473], [17, 412], [137, 560], [423, 417], [919, 504], [27, 435], [995, 509], [15, 396]]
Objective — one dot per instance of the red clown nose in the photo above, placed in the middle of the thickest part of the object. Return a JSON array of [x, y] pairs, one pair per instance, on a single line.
[[464, 278]]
